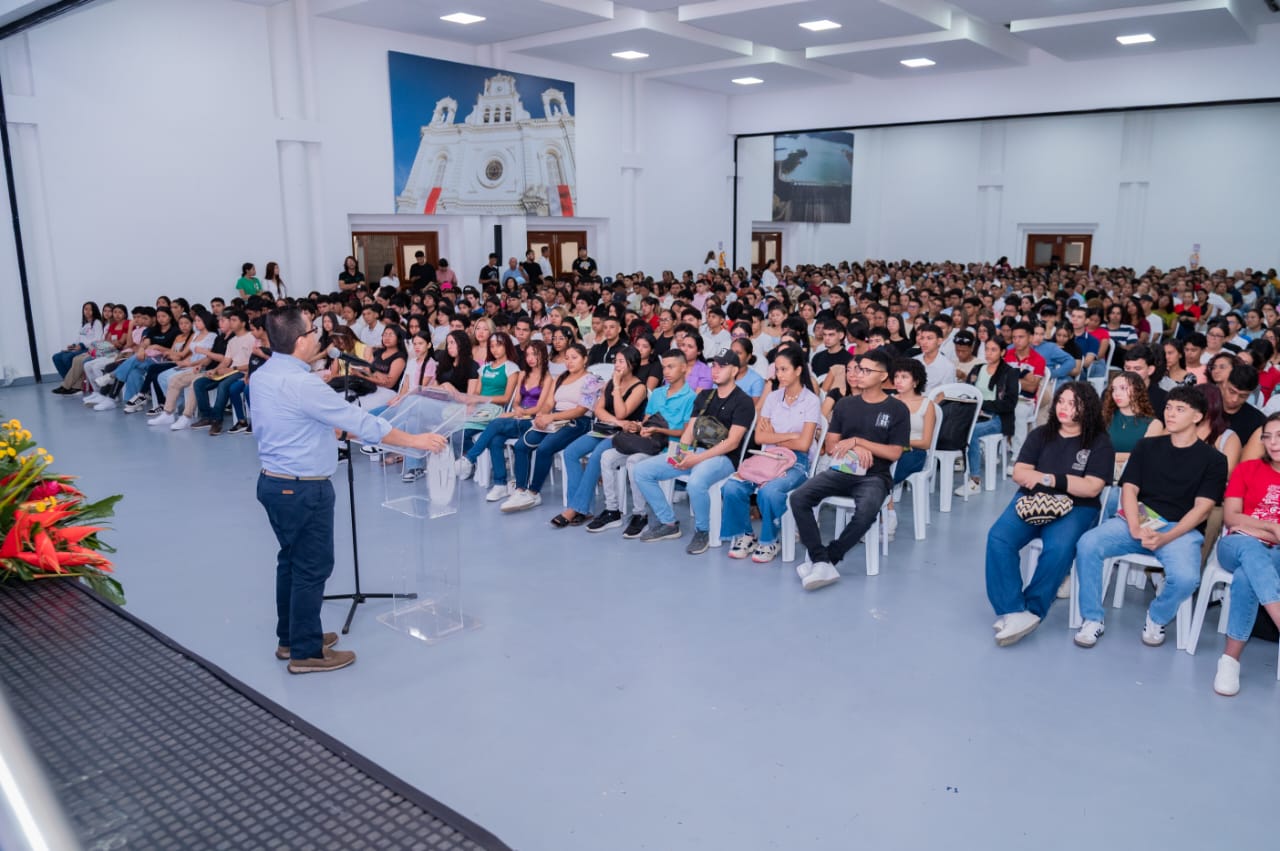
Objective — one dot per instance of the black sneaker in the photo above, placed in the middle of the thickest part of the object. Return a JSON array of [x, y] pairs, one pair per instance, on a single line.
[[636, 526], [239, 428], [215, 428], [64, 391], [605, 520], [203, 422]]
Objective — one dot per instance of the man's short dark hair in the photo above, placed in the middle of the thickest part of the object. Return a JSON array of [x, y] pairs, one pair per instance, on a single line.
[[284, 326], [930, 328], [672, 353], [880, 356], [1243, 377], [1190, 396], [1024, 326], [238, 314], [1142, 352]]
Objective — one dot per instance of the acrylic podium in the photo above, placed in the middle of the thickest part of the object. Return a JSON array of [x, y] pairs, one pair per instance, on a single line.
[[424, 543]]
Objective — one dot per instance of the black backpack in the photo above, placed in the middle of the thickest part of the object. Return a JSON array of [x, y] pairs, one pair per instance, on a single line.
[[957, 416]]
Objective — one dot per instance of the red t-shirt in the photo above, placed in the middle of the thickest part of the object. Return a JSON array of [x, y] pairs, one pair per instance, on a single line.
[[1267, 381], [1257, 485], [1033, 363]]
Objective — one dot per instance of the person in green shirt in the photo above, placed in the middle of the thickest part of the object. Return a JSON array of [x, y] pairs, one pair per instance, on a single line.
[[248, 285]]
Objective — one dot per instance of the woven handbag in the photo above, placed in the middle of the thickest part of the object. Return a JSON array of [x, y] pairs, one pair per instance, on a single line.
[[1042, 508]]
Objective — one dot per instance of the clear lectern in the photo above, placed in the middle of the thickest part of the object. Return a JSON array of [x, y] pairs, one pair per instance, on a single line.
[[424, 488]]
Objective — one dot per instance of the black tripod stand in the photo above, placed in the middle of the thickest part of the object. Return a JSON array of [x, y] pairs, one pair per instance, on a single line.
[[356, 597]]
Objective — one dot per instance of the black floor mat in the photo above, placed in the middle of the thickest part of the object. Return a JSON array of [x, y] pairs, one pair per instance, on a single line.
[[148, 746]]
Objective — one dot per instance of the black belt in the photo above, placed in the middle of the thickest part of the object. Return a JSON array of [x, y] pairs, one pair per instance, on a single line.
[[295, 478]]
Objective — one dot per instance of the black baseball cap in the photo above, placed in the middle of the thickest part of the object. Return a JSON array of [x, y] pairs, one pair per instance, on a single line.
[[727, 358], [964, 338]]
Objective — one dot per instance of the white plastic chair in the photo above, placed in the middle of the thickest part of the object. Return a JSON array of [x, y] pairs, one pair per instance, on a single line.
[[1120, 567], [946, 458], [921, 482], [876, 541], [602, 371], [787, 537], [995, 459], [1214, 575]]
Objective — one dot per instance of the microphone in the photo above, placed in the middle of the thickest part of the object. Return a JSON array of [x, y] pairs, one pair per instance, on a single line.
[[338, 354]]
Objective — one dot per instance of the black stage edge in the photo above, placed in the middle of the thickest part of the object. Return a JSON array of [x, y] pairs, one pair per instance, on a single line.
[[147, 745]]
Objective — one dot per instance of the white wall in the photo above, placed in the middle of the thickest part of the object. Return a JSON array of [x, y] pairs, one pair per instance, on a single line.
[[1148, 184], [159, 144]]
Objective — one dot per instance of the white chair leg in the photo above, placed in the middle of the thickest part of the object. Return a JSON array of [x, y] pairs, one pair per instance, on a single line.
[[946, 480], [1182, 625], [1074, 619], [1121, 570], [919, 506], [1223, 609], [484, 471], [788, 536], [1201, 610], [873, 548], [716, 492]]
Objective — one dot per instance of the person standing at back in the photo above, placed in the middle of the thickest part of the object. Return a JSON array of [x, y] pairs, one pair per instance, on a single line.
[[295, 416]]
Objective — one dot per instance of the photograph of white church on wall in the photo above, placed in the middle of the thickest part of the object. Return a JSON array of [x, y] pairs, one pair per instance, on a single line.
[[512, 153]]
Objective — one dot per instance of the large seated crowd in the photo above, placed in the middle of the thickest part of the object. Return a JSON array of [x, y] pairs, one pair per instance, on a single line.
[[1135, 411]]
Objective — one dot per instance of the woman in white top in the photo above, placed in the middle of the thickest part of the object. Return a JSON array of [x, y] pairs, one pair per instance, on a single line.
[[788, 418], [389, 278], [92, 330], [273, 280], [909, 380], [481, 331]]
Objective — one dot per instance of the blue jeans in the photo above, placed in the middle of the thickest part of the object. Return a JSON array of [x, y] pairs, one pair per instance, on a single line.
[[582, 483], [546, 446], [771, 497], [62, 360], [152, 379], [911, 461], [981, 429], [650, 472], [239, 396], [1008, 535], [1180, 559], [301, 515], [494, 438], [202, 386], [1257, 580], [124, 374]]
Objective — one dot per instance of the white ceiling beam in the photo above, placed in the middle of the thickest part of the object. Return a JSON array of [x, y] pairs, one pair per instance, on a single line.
[[720, 8], [668, 23], [328, 7], [598, 8], [626, 20], [762, 55], [933, 11], [1104, 15], [997, 39]]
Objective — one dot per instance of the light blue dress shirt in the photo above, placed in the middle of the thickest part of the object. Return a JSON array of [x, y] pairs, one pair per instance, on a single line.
[[752, 383], [1060, 363], [294, 417]]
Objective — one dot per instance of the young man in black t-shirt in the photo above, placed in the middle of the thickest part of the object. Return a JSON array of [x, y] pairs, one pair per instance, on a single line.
[[833, 354], [1243, 418], [1169, 486], [705, 465], [867, 435]]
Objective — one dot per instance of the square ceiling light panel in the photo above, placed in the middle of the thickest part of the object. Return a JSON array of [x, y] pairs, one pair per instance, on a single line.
[[1001, 12], [1175, 27], [596, 51], [776, 77], [778, 23], [503, 19], [950, 55]]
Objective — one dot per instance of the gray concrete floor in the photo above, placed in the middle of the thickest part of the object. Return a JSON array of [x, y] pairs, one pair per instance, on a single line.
[[627, 696]]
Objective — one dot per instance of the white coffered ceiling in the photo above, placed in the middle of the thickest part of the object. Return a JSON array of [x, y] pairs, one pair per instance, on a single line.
[[708, 43]]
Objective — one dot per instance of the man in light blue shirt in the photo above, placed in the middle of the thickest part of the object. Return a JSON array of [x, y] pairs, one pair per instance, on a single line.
[[1059, 363], [295, 417]]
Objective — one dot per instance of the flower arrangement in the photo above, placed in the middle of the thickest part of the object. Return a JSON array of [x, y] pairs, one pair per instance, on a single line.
[[46, 526]]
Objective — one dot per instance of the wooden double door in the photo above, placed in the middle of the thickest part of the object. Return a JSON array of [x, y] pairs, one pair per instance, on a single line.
[[373, 250], [563, 245], [1059, 250]]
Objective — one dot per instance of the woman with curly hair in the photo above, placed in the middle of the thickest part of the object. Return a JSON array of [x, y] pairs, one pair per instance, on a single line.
[[1127, 411], [1071, 458]]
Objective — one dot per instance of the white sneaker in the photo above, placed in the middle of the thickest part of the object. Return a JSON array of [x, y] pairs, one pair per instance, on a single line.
[[92, 398], [1227, 681], [105, 405], [1017, 625], [496, 493], [742, 546], [823, 574], [464, 468], [1089, 634], [999, 624], [137, 403], [1064, 590], [804, 568], [970, 487], [162, 419], [180, 423], [104, 381], [890, 523], [765, 553], [370, 449], [521, 500], [1152, 633]]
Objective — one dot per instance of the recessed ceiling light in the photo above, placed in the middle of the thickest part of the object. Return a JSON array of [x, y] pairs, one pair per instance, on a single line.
[[819, 26], [630, 54], [918, 63], [1140, 38], [748, 81], [462, 18]]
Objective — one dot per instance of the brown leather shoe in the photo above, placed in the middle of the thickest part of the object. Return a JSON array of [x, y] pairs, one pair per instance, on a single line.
[[331, 661], [330, 639]]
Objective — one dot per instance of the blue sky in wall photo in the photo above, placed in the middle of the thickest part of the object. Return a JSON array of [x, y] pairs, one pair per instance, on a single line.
[[417, 82]]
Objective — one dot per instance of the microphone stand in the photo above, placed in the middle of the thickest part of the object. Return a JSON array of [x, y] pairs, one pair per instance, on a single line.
[[356, 597]]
